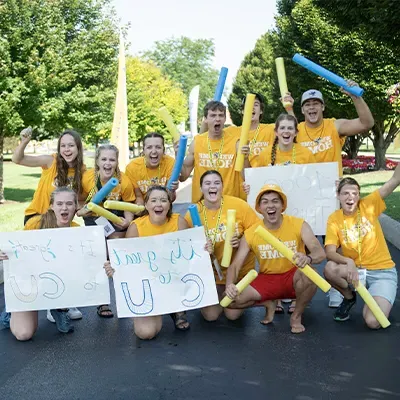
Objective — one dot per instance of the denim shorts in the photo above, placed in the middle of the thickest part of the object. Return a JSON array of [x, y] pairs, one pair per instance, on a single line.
[[383, 283]]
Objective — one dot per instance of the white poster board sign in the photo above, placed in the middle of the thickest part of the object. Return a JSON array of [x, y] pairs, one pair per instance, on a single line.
[[55, 268], [310, 189], [162, 274]]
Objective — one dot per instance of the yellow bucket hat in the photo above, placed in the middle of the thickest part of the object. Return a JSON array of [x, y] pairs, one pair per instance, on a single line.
[[271, 188]]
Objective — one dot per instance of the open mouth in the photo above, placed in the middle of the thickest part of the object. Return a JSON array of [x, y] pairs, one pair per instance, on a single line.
[[286, 136], [64, 215], [271, 213], [212, 193], [153, 159], [312, 114], [158, 211], [107, 170], [217, 127]]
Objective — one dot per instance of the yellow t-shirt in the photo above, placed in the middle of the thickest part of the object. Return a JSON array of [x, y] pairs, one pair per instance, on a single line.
[[300, 155], [122, 192], [324, 142], [143, 177], [146, 228], [41, 198], [34, 223], [270, 260], [374, 251], [245, 218], [224, 164]]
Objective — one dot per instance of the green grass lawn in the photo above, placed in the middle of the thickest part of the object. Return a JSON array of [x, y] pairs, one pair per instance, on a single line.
[[21, 182]]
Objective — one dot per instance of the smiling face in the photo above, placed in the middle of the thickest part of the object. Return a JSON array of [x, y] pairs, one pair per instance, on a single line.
[[257, 113], [107, 163], [64, 207], [286, 132], [271, 207], [153, 150], [349, 197], [216, 121], [313, 111], [158, 206], [211, 188], [68, 149]]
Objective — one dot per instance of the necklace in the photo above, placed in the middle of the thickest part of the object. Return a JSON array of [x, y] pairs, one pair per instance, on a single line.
[[293, 155], [153, 181], [216, 155], [358, 231], [253, 141], [212, 236], [320, 132]]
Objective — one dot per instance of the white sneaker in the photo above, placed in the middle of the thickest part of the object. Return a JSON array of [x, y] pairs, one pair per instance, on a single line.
[[335, 298], [286, 300], [73, 313]]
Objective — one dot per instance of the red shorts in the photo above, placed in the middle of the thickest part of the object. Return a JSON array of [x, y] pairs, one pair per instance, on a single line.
[[275, 286]]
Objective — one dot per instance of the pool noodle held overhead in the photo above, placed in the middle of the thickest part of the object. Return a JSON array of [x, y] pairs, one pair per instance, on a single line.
[[104, 191], [328, 75], [221, 84], [176, 171], [280, 70], [288, 253], [123, 206]]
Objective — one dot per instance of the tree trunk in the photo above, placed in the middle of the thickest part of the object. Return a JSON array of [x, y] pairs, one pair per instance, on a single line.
[[352, 146], [1, 166], [380, 145]]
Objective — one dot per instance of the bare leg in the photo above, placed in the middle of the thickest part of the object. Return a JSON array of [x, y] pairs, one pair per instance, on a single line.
[[270, 307], [147, 328], [369, 318], [336, 275], [23, 324], [305, 290], [246, 299]]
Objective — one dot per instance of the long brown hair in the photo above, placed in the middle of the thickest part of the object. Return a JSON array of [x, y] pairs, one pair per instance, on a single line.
[[282, 117], [48, 220], [161, 189], [62, 166]]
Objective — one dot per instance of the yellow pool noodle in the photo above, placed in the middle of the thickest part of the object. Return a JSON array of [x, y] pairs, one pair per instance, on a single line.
[[166, 117], [280, 69], [286, 252], [372, 305], [244, 136], [241, 285], [104, 213], [123, 206], [230, 230]]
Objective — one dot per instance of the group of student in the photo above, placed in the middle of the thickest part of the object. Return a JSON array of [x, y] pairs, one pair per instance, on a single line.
[[354, 244]]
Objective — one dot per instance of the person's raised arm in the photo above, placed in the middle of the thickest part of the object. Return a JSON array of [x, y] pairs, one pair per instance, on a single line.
[[364, 122], [19, 156], [391, 184], [188, 163], [237, 263]]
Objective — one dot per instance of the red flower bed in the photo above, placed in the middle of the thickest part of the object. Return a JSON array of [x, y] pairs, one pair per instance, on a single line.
[[364, 164]]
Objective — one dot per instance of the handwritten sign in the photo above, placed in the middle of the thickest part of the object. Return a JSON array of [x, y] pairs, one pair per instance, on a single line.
[[55, 268], [310, 189], [162, 274]]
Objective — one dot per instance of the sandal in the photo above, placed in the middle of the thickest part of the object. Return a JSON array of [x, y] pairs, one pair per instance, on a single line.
[[291, 308], [104, 311], [180, 321], [279, 310]]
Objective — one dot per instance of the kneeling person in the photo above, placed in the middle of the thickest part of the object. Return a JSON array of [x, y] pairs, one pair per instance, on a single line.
[[278, 277]]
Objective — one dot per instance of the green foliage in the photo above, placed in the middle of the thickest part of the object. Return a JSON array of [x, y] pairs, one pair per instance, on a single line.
[[148, 90], [189, 63]]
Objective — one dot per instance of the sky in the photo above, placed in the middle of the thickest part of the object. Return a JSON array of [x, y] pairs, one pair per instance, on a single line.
[[235, 26]]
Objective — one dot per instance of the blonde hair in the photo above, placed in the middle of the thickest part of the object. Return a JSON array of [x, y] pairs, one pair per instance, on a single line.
[[49, 219], [97, 156]]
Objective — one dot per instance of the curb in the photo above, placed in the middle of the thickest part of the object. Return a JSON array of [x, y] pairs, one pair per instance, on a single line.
[[391, 229]]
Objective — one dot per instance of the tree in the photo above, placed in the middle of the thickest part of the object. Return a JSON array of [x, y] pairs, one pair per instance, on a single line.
[[187, 62], [58, 67], [301, 27], [148, 90]]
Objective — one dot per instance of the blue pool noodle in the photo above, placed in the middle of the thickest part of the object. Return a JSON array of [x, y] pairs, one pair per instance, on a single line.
[[178, 161], [221, 84], [328, 75], [104, 191], [194, 214]]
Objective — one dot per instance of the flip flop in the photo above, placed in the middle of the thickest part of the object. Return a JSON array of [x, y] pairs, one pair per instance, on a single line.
[[279, 310], [104, 311], [180, 319]]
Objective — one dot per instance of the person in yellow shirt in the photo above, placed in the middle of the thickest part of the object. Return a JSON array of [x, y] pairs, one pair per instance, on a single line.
[[212, 150], [65, 168], [154, 168], [213, 210], [106, 167], [63, 205], [278, 277], [364, 255], [157, 220]]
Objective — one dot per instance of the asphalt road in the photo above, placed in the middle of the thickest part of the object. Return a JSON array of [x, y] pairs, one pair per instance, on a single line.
[[102, 359]]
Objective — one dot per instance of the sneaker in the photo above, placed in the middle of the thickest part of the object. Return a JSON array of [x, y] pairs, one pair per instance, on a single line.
[[335, 298], [5, 319], [286, 300], [73, 313], [342, 313], [62, 321]]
